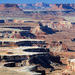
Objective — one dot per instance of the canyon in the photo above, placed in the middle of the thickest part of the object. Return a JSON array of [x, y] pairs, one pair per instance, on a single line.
[[38, 37]]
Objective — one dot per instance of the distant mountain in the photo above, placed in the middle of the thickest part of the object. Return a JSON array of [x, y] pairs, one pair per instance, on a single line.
[[49, 7], [20, 10], [38, 6], [41, 4], [63, 7], [72, 5], [35, 6]]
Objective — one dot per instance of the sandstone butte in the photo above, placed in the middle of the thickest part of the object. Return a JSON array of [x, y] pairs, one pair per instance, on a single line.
[[10, 7], [63, 7]]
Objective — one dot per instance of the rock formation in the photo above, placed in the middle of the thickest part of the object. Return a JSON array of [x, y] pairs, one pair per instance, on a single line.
[[9, 7], [10, 10], [57, 47], [62, 7], [35, 6]]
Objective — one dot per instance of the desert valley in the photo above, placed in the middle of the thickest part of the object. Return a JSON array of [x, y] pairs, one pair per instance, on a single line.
[[37, 39]]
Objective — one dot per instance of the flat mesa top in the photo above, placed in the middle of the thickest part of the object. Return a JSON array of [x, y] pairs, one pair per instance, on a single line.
[[17, 40], [12, 51], [19, 48], [11, 29]]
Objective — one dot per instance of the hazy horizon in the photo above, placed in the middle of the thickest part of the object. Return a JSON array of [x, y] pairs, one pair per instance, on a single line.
[[35, 1]]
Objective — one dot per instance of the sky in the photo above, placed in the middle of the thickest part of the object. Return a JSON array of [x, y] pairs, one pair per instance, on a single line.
[[34, 1]]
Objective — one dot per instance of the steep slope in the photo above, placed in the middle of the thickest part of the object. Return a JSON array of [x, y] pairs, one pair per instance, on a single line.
[[63, 7], [9, 7], [72, 5], [10, 10]]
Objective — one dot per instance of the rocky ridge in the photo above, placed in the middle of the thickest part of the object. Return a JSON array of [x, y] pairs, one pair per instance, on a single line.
[[52, 7], [10, 10], [63, 7], [9, 7]]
